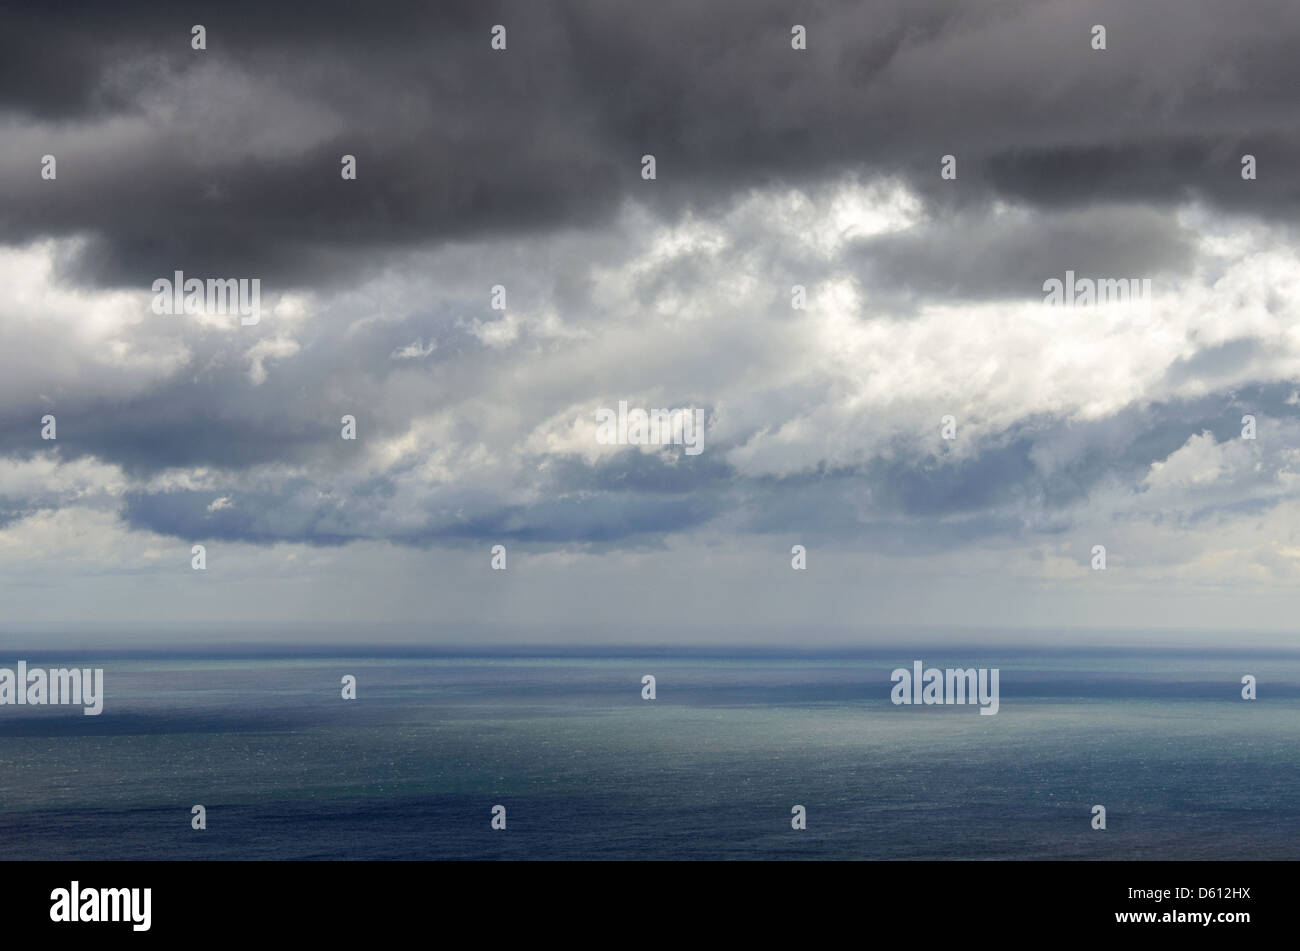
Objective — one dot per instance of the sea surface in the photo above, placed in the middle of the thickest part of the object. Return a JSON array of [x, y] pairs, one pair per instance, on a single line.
[[710, 769]]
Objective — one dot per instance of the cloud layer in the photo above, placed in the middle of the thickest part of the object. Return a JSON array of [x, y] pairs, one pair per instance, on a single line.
[[520, 171]]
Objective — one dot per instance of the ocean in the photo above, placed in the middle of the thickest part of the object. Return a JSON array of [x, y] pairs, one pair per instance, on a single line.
[[710, 769]]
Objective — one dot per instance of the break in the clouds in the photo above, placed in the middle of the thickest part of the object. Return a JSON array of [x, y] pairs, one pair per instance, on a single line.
[[515, 176]]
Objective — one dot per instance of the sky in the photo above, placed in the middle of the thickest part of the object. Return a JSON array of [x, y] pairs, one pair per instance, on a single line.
[[522, 169]]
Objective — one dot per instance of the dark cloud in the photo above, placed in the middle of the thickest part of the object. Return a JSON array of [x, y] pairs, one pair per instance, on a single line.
[[454, 140], [981, 254], [300, 514], [910, 501]]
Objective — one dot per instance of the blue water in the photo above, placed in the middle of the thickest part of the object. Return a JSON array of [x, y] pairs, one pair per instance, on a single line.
[[710, 769]]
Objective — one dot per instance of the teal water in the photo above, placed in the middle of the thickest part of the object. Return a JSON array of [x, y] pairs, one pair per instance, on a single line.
[[710, 769]]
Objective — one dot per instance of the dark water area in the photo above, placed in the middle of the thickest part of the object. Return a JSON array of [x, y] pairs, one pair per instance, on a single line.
[[711, 768]]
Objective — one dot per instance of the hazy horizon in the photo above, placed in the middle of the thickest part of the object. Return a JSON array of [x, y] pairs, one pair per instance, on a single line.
[[182, 637]]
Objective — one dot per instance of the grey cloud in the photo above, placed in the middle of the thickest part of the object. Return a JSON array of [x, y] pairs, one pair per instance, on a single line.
[[454, 141], [983, 254], [1020, 481]]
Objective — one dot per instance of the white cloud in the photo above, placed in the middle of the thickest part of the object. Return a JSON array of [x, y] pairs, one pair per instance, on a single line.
[[414, 351]]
